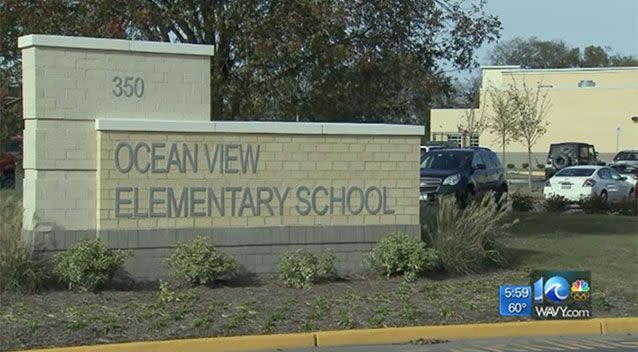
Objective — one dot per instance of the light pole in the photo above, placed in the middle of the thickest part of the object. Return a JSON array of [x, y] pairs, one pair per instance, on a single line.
[[617, 137]]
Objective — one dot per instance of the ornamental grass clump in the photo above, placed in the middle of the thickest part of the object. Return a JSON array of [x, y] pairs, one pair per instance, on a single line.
[[469, 240], [21, 268]]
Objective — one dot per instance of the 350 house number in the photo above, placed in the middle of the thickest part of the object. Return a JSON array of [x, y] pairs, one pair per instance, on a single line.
[[128, 86]]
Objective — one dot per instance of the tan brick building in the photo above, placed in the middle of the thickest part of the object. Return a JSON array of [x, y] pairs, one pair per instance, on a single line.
[[591, 105]]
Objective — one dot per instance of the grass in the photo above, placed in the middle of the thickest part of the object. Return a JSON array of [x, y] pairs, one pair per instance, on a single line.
[[606, 245]]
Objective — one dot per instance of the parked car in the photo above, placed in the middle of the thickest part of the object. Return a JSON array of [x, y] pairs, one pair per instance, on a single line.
[[578, 182], [427, 148], [628, 156], [629, 171], [463, 173], [562, 155]]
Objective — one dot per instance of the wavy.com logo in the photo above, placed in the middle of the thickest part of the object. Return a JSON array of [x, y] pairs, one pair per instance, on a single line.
[[556, 289]]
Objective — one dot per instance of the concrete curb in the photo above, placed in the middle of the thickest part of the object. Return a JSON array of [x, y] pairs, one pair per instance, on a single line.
[[619, 325], [234, 343], [600, 326]]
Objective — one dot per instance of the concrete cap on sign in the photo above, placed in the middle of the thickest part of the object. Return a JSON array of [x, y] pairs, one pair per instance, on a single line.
[[58, 41], [262, 127]]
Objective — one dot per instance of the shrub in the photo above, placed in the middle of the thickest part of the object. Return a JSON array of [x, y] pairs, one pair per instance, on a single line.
[[400, 254], [21, 270], [199, 262], [467, 240], [89, 265], [511, 166], [524, 165], [556, 204], [522, 201], [627, 207], [540, 166], [593, 204], [301, 269]]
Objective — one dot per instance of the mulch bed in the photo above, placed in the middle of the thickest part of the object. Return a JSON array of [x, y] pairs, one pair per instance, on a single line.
[[259, 306]]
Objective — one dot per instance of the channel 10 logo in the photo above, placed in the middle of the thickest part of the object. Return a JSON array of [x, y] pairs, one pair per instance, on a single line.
[[562, 294]]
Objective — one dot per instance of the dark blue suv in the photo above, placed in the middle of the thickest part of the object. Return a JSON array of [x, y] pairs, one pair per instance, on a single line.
[[463, 173]]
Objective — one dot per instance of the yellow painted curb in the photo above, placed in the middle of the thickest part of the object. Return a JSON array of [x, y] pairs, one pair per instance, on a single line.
[[619, 325], [458, 332], [372, 336], [234, 343]]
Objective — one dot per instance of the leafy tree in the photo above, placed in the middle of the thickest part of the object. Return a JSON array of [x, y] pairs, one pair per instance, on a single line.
[[595, 56], [620, 60], [535, 53], [328, 60], [501, 118], [531, 106]]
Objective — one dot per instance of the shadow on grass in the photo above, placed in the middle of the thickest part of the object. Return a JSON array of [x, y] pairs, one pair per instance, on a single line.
[[516, 257], [547, 224]]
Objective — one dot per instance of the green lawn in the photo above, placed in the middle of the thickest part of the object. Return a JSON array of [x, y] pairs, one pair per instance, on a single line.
[[604, 244]]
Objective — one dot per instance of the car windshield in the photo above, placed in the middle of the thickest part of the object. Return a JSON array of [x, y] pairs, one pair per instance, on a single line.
[[577, 172], [627, 155], [625, 169], [446, 160]]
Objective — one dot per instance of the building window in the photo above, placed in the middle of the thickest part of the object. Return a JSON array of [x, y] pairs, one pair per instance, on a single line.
[[456, 139], [586, 83], [474, 140]]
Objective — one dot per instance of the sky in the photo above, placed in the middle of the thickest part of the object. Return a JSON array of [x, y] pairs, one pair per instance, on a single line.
[[612, 23]]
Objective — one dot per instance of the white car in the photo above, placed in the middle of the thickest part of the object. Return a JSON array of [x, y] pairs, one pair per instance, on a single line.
[[577, 182]]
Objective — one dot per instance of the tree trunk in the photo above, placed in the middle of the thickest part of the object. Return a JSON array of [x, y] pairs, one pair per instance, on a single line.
[[529, 167], [503, 145]]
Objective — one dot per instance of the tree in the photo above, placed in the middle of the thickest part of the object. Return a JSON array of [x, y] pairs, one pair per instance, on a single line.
[[326, 60], [472, 121], [535, 53], [531, 106], [621, 60], [330, 60], [595, 56], [501, 120]]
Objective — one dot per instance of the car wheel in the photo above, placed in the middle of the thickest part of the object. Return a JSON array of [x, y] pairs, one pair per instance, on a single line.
[[603, 195]]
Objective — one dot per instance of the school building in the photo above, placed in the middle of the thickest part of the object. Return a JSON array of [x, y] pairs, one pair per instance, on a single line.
[[591, 105]]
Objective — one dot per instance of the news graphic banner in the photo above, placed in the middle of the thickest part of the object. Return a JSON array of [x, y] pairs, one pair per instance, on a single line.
[[550, 295], [119, 145]]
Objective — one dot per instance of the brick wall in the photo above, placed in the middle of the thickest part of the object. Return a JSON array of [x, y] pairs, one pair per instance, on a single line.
[[67, 84], [389, 162]]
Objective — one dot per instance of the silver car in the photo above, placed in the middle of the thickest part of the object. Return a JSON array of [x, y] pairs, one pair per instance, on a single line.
[[627, 157]]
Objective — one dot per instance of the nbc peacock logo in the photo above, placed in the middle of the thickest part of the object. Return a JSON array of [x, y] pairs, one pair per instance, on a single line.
[[579, 291]]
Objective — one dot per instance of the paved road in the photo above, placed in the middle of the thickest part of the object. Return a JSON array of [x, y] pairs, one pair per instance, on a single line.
[[609, 343]]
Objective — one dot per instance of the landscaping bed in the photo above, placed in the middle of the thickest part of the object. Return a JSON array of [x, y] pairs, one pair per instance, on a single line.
[[606, 245]]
